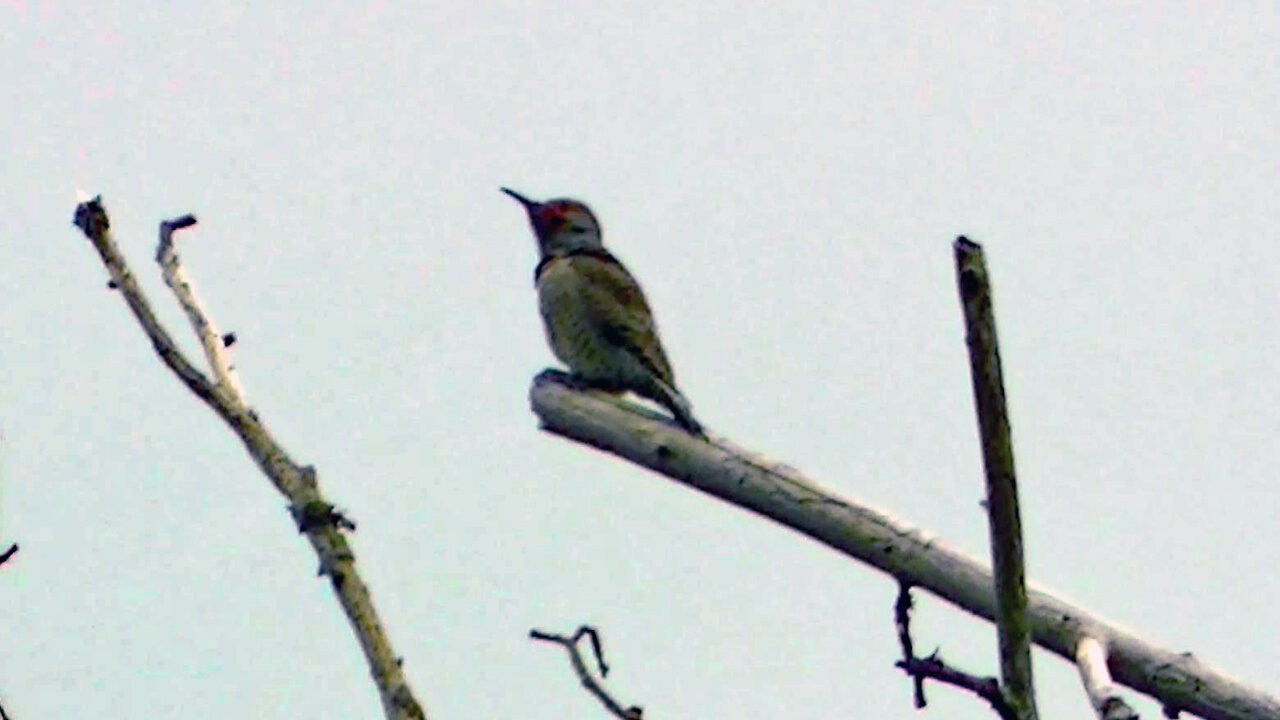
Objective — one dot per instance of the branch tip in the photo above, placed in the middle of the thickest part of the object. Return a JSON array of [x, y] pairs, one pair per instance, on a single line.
[[8, 553], [91, 218], [178, 223]]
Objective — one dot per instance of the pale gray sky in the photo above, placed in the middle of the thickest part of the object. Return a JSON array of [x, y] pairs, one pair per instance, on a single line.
[[785, 181]]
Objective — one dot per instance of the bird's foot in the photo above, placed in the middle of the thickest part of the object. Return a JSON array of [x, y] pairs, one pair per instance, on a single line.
[[576, 381], [553, 375]]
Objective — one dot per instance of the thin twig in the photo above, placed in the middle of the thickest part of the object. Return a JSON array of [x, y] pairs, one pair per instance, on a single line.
[[902, 620], [933, 667], [1002, 490], [8, 553], [904, 551], [987, 688], [570, 643], [314, 515]]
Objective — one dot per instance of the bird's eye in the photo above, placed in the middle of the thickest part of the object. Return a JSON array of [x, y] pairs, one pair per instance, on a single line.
[[578, 229]]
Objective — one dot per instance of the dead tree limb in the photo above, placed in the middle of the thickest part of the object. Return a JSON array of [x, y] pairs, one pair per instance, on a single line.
[[750, 481], [314, 515], [1002, 490]]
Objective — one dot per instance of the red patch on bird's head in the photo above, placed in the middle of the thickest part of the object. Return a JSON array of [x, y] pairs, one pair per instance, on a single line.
[[555, 213]]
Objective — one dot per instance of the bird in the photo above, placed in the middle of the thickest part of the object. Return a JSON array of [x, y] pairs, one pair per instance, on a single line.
[[595, 315]]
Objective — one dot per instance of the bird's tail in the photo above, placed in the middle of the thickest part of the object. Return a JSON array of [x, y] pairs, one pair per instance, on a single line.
[[675, 402]]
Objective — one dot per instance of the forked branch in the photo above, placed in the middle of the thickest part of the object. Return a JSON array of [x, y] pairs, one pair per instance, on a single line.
[[314, 515], [934, 668], [570, 644]]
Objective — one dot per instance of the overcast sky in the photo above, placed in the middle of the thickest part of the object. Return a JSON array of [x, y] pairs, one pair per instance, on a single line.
[[785, 180]]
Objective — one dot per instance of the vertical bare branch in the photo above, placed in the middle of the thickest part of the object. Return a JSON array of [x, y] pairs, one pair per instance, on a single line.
[[902, 622], [1002, 491]]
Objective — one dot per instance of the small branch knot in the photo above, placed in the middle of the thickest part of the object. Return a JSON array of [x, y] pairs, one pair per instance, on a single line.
[[316, 514]]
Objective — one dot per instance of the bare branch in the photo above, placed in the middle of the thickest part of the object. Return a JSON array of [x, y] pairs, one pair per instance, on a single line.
[[584, 675], [1104, 696], [902, 621], [934, 668], [91, 218], [908, 553], [215, 349], [314, 515], [1002, 490], [987, 688], [8, 553]]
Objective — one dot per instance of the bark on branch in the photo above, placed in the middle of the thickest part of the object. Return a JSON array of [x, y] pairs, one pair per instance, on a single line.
[[908, 553], [314, 515], [1002, 491]]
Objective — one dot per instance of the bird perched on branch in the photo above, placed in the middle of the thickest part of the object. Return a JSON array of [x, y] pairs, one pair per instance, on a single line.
[[594, 312]]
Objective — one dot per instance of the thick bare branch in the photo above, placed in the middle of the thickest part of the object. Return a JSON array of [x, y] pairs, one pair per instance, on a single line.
[[908, 553], [314, 515], [570, 643], [1002, 490]]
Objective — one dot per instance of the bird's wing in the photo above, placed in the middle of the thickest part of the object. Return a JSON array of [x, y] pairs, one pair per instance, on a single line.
[[634, 328]]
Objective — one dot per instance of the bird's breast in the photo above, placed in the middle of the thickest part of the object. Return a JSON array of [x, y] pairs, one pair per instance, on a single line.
[[574, 321]]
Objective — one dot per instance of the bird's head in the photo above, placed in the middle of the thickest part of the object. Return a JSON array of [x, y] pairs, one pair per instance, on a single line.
[[561, 224]]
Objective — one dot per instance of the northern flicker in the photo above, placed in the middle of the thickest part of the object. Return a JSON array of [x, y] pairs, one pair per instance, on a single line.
[[594, 312]]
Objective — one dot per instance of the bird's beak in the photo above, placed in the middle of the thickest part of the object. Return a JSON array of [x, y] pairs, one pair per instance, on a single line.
[[526, 202]]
